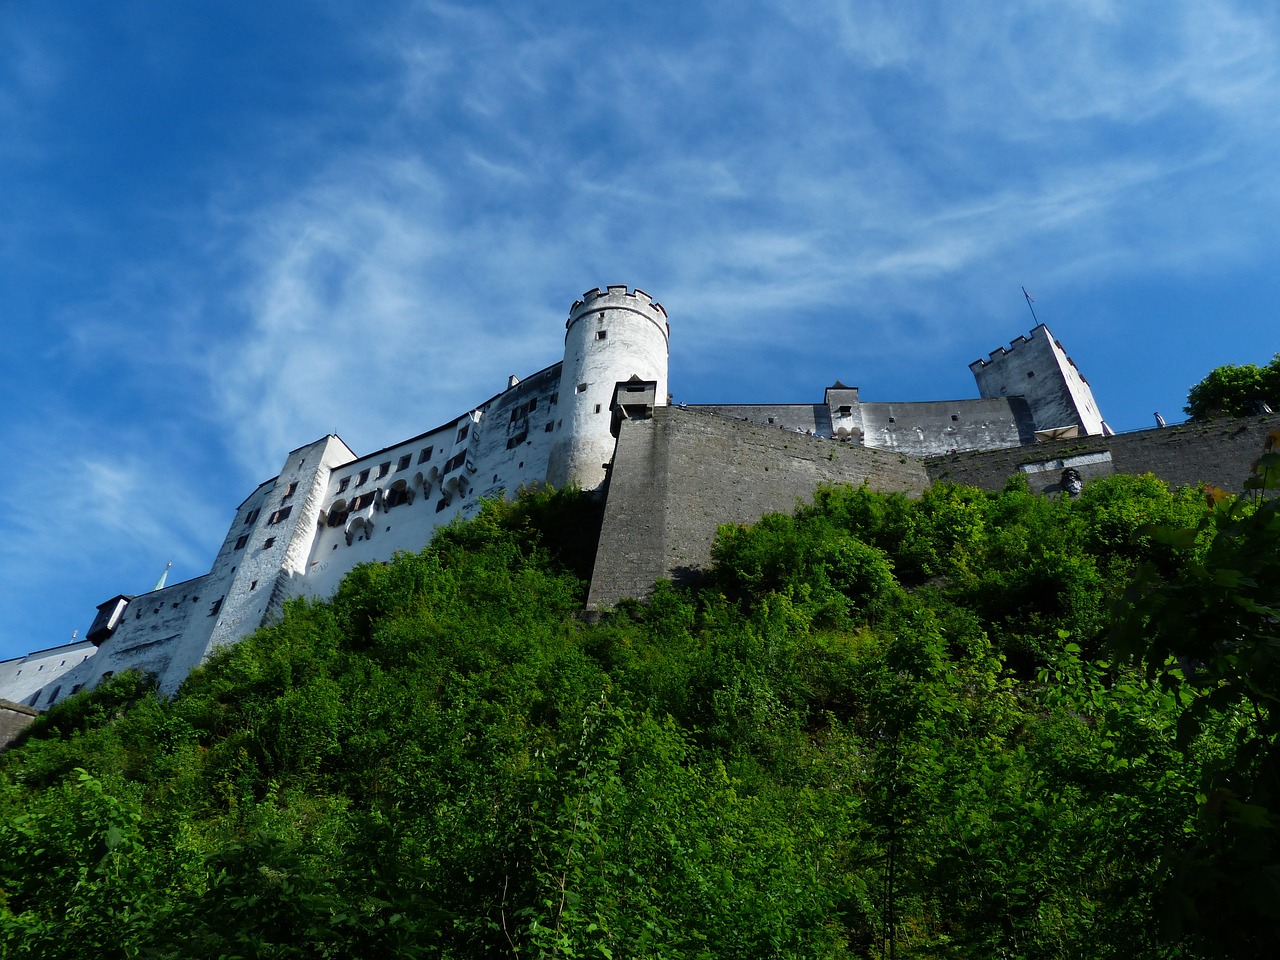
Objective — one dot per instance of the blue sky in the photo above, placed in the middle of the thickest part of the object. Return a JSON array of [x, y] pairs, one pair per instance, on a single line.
[[231, 228]]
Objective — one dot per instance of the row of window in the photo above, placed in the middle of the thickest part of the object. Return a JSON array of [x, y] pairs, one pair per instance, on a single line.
[[279, 515], [384, 468], [244, 539]]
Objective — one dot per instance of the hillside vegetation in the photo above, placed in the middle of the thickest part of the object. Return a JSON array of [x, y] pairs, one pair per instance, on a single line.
[[967, 725]]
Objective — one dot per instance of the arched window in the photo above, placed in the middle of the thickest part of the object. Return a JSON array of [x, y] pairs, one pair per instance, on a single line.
[[338, 513], [397, 494]]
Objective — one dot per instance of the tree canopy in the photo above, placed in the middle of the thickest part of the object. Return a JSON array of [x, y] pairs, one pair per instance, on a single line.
[[1235, 391], [880, 727]]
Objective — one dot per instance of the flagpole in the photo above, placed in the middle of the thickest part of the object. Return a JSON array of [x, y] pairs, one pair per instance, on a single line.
[[1030, 307]]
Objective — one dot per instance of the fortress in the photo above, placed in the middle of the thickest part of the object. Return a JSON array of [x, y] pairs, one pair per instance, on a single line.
[[667, 475]]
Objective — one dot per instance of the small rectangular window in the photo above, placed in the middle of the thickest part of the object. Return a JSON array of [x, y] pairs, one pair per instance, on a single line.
[[597, 408], [955, 416], [462, 432], [344, 483], [442, 503], [217, 605], [519, 438], [555, 398], [548, 428], [384, 469], [364, 475], [293, 488], [244, 538], [279, 515], [425, 455], [252, 516], [601, 334], [269, 543], [582, 388], [404, 462]]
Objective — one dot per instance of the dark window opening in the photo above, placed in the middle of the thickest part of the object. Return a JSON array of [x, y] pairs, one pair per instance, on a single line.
[[217, 605], [846, 410], [601, 334], [254, 585], [524, 409], [293, 488], [425, 455], [243, 539], [252, 516], [597, 408], [384, 469], [555, 398], [398, 494], [364, 475], [404, 462], [548, 428], [582, 388], [344, 483], [519, 438], [443, 502], [955, 416], [462, 433], [280, 515], [362, 501], [453, 463], [1031, 373], [270, 542]]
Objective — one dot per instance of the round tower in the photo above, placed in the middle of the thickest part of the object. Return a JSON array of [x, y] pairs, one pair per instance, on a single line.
[[611, 335]]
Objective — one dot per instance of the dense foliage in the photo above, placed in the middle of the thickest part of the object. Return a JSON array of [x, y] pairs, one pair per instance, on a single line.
[[1235, 391], [881, 727]]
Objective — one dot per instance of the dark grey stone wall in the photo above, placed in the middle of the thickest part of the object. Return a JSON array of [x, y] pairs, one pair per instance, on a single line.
[[677, 477], [14, 718], [1220, 453]]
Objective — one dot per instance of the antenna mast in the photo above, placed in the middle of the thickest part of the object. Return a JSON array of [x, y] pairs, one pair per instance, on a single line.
[[1030, 301]]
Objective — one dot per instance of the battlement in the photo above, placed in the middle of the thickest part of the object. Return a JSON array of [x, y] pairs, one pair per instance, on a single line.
[[1039, 332], [615, 296], [1014, 345]]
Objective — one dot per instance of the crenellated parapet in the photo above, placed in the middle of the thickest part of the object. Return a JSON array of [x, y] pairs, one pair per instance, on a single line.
[[619, 297]]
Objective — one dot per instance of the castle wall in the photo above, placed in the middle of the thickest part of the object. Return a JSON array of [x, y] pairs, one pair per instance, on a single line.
[[1220, 453], [937, 427], [23, 677], [680, 475], [916, 429], [14, 718], [152, 630]]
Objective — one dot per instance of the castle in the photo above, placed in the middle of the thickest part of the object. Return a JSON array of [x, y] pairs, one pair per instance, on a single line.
[[668, 475]]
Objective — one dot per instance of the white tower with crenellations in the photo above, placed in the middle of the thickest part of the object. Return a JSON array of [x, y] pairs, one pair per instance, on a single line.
[[611, 335]]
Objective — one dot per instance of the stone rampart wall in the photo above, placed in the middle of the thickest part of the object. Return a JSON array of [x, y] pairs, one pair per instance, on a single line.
[[14, 718], [1220, 452], [677, 477]]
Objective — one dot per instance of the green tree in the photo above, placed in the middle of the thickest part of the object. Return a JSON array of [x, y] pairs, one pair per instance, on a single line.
[[1235, 391]]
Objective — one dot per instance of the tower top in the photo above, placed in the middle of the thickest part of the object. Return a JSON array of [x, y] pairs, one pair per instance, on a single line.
[[618, 295]]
